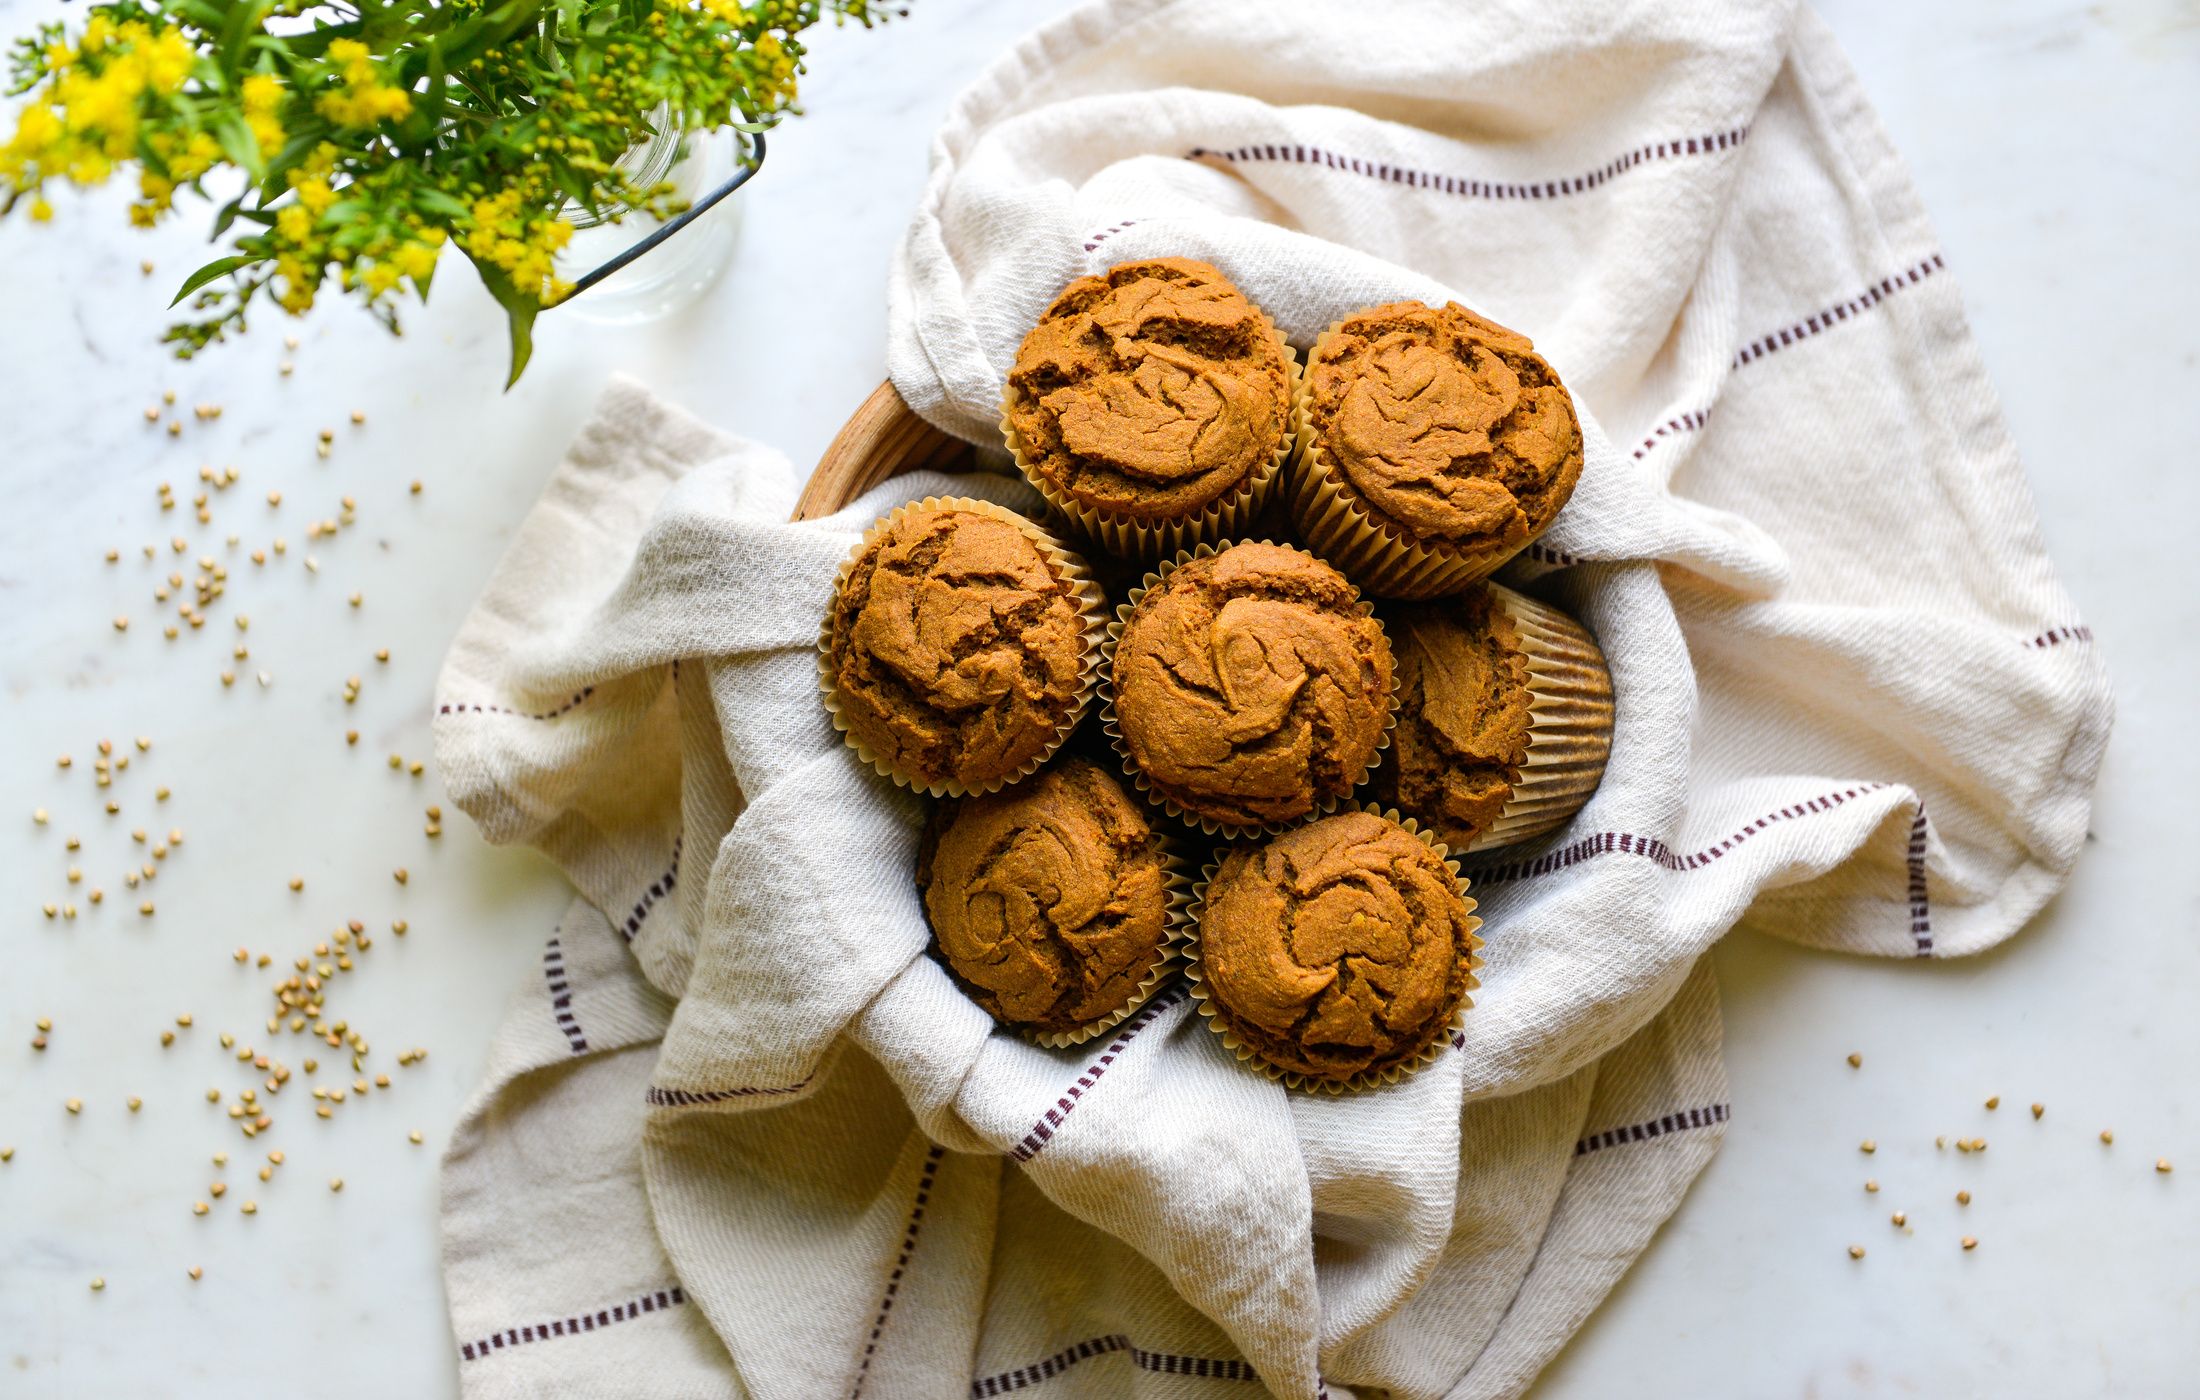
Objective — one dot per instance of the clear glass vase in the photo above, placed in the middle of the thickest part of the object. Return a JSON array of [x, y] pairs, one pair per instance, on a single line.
[[675, 273]]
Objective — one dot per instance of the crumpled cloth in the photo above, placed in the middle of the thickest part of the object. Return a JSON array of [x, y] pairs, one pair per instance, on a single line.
[[741, 1136]]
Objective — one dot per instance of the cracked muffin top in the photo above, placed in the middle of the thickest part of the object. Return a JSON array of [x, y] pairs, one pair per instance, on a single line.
[[957, 649], [1151, 391], [1462, 716], [1445, 426], [1048, 900], [1251, 684], [1337, 949]]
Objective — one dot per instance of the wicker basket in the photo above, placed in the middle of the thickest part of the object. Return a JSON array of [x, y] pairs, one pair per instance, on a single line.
[[884, 439]]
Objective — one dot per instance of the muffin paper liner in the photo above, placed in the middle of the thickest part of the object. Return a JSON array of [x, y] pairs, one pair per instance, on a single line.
[[1376, 553], [1111, 723], [1439, 1040], [1067, 564], [1221, 519], [1570, 716], [1177, 883]]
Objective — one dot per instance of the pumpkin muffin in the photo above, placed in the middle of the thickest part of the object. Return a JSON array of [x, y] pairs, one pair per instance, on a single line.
[[1463, 717], [958, 648], [1437, 444], [1338, 952], [1249, 686], [1150, 402], [1505, 716], [1049, 901]]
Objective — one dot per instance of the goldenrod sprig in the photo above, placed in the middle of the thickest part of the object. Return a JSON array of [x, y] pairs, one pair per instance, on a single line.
[[352, 145]]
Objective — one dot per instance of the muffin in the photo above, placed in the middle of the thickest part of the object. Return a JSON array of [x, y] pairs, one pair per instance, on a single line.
[[960, 645], [1338, 954], [1248, 686], [1152, 406], [1051, 901], [1504, 718], [1434, 446]]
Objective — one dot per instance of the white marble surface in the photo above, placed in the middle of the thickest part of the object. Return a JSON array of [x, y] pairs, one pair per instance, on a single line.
[[2052, 142]]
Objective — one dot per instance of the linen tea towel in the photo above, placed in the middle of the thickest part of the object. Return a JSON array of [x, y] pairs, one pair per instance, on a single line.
[[1855, 709]]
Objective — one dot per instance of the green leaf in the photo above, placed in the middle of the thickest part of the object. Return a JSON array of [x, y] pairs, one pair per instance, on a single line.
[[238, 143], [521, 322], [422, 66], [242, 18], [313, 44], [520, 310], [487, 30], [431, 100], [299, 144], [220, 267], [433, 201], [569, 180], [225, 218]]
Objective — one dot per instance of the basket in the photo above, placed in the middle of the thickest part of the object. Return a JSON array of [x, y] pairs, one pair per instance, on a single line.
[[883, 439]]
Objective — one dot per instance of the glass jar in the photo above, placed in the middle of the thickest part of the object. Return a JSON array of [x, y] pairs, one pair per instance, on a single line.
[[675, 273]]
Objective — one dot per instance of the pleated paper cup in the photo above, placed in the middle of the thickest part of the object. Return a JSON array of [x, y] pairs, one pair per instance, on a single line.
[[1570, 716], [1066, 563], [1177, 885], [1217, 1019], [1375, 552], [1111, 722], [1224, 518]]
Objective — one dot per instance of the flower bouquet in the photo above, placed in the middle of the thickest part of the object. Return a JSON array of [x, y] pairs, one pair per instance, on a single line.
[[352, 141]]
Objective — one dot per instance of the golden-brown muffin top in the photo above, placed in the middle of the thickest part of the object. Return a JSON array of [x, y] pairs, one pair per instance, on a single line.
[[1150, 391], [957, 649], [1462, 716], [1047, 900], [1445, 425], [1339, 948], [1251, 683]]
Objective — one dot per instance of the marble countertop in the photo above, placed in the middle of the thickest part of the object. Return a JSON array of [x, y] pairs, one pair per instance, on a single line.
[[2050, 142]]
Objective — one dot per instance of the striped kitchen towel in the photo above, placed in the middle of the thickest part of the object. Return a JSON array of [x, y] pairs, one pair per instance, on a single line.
[[742, 1137]]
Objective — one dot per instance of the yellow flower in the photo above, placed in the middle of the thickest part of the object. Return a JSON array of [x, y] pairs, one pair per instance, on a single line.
[[298, 280], [198, 155], [37, 128], [364, 99], [525, 249], [261, 95], [415, 260], [168, 60], [313, 192], [41, 211], [356, 59], [97, 102], [90, 168]]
